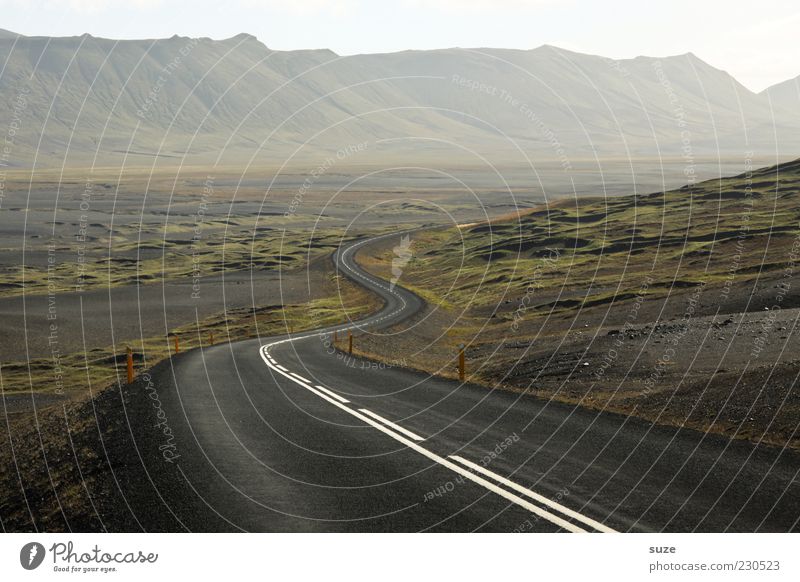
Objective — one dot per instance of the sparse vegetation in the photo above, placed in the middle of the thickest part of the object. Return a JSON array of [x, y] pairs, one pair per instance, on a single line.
[[583, 300], [137, 253], [84, 373]]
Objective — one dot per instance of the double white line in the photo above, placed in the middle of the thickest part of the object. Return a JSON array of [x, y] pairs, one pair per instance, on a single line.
[[411, 440]]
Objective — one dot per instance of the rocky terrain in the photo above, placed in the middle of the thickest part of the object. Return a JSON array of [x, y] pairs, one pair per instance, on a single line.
[[679, 307]]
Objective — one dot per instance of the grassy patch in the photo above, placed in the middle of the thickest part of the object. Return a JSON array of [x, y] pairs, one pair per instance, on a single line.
[[537, 298], [76, 374]]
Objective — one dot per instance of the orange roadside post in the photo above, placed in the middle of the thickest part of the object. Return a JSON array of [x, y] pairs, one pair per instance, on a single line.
[[177, 345], [350, 342], [130, 365], [461, 362], [211, 338]]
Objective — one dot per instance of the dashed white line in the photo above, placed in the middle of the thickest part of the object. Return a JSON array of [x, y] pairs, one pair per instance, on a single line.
[[554, 519], [384, 425]]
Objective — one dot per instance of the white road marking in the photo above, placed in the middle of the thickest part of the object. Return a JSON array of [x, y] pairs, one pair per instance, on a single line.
[[540, 498], [332, 394], [364, 415], [390, 424], [554, 519]]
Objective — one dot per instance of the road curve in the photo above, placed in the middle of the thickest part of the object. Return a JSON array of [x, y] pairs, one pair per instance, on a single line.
[[287, 434]]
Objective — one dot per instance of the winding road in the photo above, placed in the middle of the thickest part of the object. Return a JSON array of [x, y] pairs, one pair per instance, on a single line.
[[287, 434]]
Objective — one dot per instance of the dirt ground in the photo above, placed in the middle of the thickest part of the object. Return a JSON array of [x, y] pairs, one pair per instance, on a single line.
[[704, 336], [733, 373]]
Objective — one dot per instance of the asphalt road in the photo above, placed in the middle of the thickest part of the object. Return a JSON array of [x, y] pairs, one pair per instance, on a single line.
[[287, 434]]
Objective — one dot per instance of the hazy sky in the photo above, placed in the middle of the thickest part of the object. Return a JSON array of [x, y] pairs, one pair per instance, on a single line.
[[757, 42]]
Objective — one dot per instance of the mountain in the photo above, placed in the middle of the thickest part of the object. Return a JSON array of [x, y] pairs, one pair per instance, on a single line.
[[81, 100], [785, 95]]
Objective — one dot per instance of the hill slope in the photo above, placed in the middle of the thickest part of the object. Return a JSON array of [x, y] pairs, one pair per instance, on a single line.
[[680, 307], [785, 95], [78, 98]]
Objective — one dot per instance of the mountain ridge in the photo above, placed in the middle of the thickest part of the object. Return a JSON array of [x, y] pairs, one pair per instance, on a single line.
[[88, 98]]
